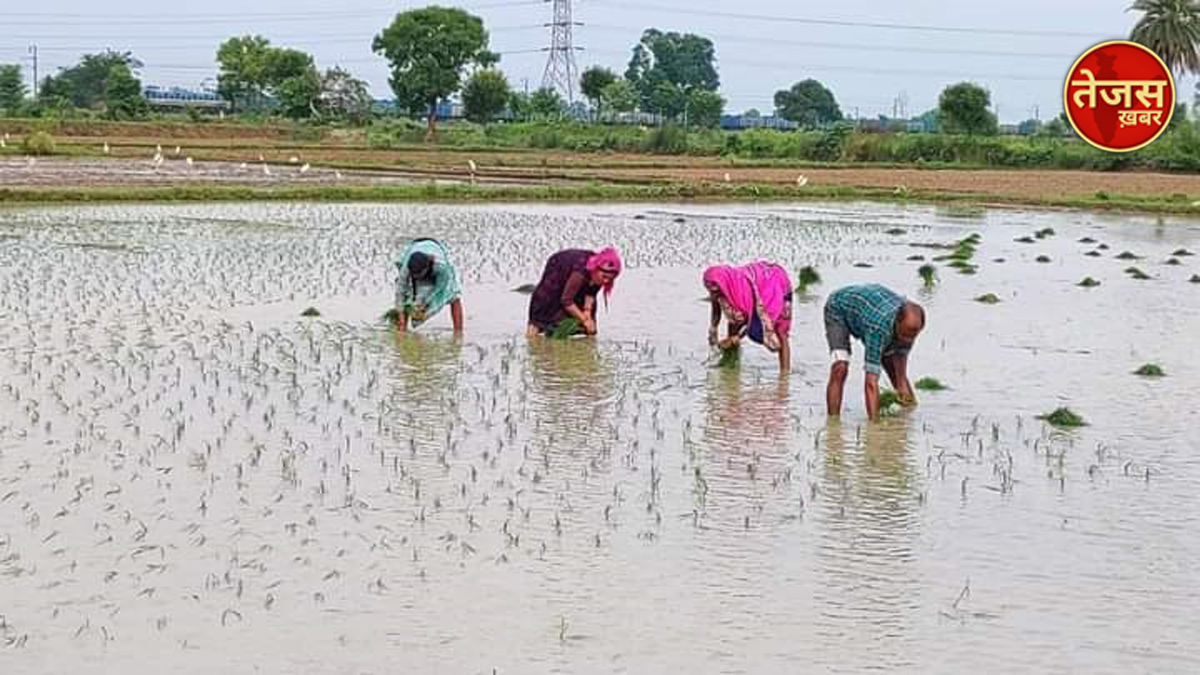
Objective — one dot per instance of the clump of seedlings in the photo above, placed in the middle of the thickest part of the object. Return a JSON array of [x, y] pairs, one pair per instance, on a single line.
[[392, 316], [895, 231], [1128, 255], [889, 402], [1044, 232], [1088, 282], [808, 277], [930, 384], [1182, 253], [916, 258], [565, 328], [526, 289], [1093, 254], [1087, 240], [310, 312], [1135, 273], [1150, 370], [1043, 258], [1173, 261], [730, 357], [988, 299], [1063, 417], [863, 265], [928, 274], [1024, 240], [1195, 279]]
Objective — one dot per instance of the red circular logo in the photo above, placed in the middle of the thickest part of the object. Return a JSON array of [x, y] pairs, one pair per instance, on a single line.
[[1119, 96]]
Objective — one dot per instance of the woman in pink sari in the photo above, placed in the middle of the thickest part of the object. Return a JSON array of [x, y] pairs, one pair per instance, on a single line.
[[756, 300]]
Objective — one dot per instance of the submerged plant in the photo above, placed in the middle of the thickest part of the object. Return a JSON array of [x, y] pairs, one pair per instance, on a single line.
[[1150, 370], [988, 299], [1044, 232], [1043, 258], [392, 315], [1128, 255], [730, 357], [311, 311], [1063, 417], [1195, 279], [565, 328], [527, 289], [808, 277], [1088, 282], [930, 384], [928, 274], [1136, 273]]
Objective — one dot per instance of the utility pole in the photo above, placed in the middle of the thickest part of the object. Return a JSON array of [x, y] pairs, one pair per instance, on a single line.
[[561, 73], [33, 51]]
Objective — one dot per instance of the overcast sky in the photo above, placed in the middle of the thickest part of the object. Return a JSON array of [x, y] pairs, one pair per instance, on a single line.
[[761, 47]]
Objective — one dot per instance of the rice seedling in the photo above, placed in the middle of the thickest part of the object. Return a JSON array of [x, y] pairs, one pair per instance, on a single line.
[[731, 357], [1088, 282], [1128, 255], [311, 312], [1043, 258], [808, 276], [1087, 240], [1093, 254], [391, 316], [959, 264], [1182, 253], [565, 328], [1195, 279], [916, 258], [1136, 273], [525, 289], [1063, 417], [863, 265], [1044, 232], [1173, 261], [988, 299], [1103, 247], [928, 274], [1024, 240], [930, 384], [1150, 370], [895, 231]]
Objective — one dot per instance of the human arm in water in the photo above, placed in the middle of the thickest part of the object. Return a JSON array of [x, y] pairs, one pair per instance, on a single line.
[[581, 314], [896, 366]]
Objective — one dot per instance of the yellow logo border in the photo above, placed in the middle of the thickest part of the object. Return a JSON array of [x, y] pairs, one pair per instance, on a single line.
[[1067, 100]]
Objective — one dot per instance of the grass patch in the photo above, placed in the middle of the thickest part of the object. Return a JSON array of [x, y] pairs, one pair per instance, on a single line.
[[38, 143], [930, 384], [565, 328], [808, 276], [988, 299], [1063, 417], [1088, 282], [1150, 370], [928, 274]]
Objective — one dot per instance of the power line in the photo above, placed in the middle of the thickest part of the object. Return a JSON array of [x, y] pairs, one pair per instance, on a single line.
[[842, 22], [226, 17]]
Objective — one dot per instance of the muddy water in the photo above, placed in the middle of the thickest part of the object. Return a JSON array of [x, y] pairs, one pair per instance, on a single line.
[[194, 478]]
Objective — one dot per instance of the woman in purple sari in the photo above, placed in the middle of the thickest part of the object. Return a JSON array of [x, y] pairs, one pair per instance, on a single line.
[[568, 289]]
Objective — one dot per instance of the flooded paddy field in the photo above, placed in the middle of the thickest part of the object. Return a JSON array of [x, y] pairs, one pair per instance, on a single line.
[[194, 477]]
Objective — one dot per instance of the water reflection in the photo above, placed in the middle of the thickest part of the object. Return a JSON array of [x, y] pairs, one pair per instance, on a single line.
[[867, 507], [571, 389], [425, 374]]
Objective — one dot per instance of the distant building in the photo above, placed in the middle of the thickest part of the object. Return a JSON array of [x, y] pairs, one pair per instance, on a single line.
[[179, 98], [739, 122]]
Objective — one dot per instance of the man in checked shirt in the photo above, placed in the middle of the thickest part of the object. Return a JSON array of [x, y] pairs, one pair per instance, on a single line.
[[887, 324]]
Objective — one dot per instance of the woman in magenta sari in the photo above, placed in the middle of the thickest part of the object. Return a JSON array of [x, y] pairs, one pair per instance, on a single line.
[[756, 300], [568, 288]]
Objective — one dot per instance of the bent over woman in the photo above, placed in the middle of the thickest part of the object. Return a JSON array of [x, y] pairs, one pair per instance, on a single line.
[[568, 288], [756, 301]]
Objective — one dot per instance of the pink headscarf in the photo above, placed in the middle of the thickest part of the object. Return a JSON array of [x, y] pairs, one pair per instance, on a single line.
[[608, 260], [771, 281]]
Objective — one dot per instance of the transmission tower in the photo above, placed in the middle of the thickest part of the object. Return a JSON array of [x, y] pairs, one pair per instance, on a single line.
[[561, 73]]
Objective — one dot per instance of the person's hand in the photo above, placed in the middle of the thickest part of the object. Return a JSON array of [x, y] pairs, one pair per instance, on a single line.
[[589, 326], [729, 342], [418, 313], [907, 400], [712, 336]]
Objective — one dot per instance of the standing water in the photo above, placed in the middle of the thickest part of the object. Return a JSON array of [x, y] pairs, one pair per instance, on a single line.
[[195, 477]]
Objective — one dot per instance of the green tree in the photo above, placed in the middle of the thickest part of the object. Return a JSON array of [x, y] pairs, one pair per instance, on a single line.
[[1055, 128], [519, 105], [123, 99], [546, 103], [686, 61], [84, 84], [704, 108], [620, 96], [242, 79], [299, 95], [592, 84], [485, 95], [344, 97], [808, 103], [12, 87], [427, 50], [668, 99], [963, 109], [1171, 28]]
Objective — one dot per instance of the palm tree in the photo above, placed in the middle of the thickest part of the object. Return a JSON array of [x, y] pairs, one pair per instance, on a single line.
[[1172, 29]]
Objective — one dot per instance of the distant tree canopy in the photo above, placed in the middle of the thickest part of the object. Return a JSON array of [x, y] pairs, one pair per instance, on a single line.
[[546, 103], [963, 109], [485, 95], [85, 85], [593, 81], [808, 103], [123, 99], [1171, 29], [344, 97], [620, 96], [12, 87], [428, 49], [667, 67], [704, 108], [252, 72]]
